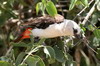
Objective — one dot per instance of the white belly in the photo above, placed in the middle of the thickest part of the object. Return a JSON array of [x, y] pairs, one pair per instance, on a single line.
[[53, 30]]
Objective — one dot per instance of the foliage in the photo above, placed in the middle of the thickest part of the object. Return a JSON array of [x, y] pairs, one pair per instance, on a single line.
[[51, 52], [48, 5], [76, 2]]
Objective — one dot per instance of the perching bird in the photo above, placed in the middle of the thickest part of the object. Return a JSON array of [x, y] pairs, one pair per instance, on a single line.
[[65, 28], [52, 30]]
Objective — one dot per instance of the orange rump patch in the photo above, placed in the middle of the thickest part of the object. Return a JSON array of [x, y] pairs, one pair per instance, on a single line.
[[26, 33]]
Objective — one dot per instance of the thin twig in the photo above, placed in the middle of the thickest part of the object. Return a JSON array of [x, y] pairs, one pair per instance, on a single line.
[[9, 50], [82, 10], [86, 42], [91, 49], [89, 13], [31, 53], [92, 24]]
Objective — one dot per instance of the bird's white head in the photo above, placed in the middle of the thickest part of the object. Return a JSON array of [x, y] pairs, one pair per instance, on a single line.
[[73, 27]]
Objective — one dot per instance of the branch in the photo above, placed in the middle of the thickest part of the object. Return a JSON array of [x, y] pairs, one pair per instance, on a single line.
[[89, 13], [31, 53], [82, 10]]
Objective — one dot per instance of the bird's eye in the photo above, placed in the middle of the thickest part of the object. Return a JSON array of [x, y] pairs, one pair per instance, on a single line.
[[75, 31]]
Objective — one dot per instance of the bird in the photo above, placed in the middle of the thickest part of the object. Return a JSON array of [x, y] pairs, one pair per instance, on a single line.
[[65, 28], [51, 29]]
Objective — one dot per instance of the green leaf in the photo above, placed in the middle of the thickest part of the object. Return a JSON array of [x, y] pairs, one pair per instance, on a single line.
[[40, 63], [49, 51], [44, 1], [21, 44], [20, 58], [78, 2], [51, 9], [59, 55], [73, 2], [83, 28], [34, 61], [38, 7], [85, 2], [97, 33], [22, 65], [31, 61], [32, 39], [91, 28], [94, 17], [4, 63], [98, 55], [96, 42], [41, 41]]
